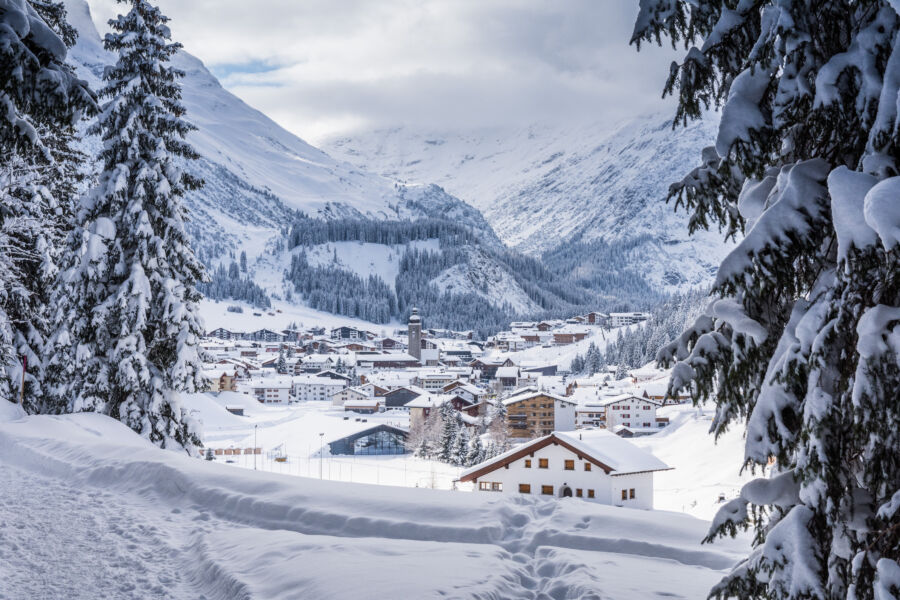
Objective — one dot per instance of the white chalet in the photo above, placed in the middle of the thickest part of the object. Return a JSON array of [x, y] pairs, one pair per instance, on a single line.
[[317, 362], [268, 390], [313, 387], [597, 466], [434, 381], [638, 414], [616, 410], [353, 394]]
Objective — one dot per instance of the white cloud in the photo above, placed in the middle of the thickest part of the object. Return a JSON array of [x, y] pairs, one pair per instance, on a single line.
[[324, 66]]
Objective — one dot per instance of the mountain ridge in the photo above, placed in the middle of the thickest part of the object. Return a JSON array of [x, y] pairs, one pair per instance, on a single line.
[[548, 186]]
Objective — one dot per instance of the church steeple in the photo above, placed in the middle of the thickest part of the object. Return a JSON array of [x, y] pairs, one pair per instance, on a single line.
[[415, 334]]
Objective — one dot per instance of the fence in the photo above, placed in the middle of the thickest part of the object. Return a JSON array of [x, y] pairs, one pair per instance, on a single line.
[[396, 470]]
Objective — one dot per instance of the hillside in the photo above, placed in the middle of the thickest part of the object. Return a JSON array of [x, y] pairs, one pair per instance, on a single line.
[[589, 199]]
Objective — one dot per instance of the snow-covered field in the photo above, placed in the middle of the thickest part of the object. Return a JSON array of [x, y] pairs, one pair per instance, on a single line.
[[562, 356], [215, 314], [292, 432], [704, 468], [88, 509]]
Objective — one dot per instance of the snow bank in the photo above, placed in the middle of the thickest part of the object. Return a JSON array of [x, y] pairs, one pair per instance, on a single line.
[[255, 534]]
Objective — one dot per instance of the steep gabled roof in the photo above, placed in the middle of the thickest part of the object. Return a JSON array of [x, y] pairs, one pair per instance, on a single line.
[[613, 454]]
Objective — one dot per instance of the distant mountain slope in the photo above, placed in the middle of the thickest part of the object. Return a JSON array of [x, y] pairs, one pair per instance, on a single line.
[[584, 189], [257, 174], [309, 223], [261, 181]]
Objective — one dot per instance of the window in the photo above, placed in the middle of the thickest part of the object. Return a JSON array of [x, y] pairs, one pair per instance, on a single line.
[[578, 493], [624, 494], [527, 463], [631, 493], [646, 424], [587, 466], [524, 488], [590, 493], [570, 465], [543, 463], [646, 408], [547, 490], [497, 486]]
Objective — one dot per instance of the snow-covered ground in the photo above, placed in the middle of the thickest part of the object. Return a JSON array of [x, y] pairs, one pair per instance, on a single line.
[[704, 467], [292, 432], [88, 509], [562, 356], [215, 314]]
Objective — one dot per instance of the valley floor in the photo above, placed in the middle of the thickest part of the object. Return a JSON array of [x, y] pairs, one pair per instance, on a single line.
[[88, 509]]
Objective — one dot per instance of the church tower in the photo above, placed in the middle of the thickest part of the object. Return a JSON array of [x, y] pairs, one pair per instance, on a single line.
[[415, 335]]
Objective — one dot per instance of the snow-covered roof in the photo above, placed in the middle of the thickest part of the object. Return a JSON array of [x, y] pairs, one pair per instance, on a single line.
[[362, 402], [471, 388], [507, 372], [433, 376], [531, 392], [387, 357], [427, 400], [607, 400], [572, 328], [268, 382], [620, 455], [316, 380], [319, 358], [217, 372], [620, 427]]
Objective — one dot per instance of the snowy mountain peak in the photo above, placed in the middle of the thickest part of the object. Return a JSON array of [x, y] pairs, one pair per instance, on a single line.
[[546, 187]]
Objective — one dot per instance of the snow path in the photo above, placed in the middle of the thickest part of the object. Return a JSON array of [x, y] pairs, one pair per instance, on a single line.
[[87, 507], [57, 540]]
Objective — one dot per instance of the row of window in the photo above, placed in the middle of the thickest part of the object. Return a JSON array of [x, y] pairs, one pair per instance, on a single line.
[[490, 486], [614, 407], [547, 490], [568, 465]]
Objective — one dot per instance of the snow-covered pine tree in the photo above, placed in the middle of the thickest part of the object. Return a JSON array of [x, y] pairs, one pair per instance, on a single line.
[[578, 364], [449, 429], [490, 450], [132, 325], [281, 363], [41, 100], [460, 445], [475, 453], [499, 430], [802, 343]]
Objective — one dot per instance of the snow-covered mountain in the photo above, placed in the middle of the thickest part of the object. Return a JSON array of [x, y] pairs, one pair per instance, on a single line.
[[260, 178], [257, 173], [545, 186]]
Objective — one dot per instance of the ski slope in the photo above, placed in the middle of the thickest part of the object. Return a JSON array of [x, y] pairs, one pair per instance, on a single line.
[[88, 509]]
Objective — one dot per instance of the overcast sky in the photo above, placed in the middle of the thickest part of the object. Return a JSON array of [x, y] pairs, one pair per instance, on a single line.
[[324, 67]]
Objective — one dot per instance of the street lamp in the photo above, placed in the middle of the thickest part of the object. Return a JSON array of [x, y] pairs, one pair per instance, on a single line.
[[321, 452]]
